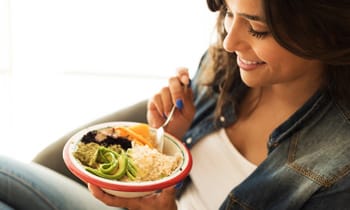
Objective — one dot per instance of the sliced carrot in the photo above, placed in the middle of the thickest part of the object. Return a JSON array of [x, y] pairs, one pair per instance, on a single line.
[[130, 134], [142, 129]]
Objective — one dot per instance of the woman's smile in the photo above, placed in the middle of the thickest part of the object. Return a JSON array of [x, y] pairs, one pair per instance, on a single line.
[[248, 64]]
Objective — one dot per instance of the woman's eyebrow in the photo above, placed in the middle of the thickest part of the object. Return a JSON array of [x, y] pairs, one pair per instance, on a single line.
[[252, 17], [247, 16]]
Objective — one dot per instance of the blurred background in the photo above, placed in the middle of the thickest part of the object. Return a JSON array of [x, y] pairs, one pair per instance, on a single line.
[[64, 63]]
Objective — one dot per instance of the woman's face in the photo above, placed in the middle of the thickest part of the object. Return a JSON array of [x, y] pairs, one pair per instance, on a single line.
[[262, 61]]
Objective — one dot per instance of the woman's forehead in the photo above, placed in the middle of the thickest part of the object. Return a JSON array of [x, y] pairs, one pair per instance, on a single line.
[[252, 9]]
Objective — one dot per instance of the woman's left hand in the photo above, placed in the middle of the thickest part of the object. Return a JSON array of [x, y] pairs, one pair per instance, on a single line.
[[162, 200]]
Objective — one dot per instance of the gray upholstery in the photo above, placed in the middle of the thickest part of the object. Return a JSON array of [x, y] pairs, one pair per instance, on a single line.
[[51, 156]]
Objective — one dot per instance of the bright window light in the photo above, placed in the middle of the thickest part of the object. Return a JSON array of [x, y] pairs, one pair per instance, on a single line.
[[73, 61], [142, 38]]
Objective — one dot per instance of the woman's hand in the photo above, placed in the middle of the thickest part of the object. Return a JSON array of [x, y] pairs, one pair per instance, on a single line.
[[180, 93], [162, 200]]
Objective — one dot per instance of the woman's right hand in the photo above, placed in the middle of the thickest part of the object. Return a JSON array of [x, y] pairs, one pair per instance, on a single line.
[[177, 92]]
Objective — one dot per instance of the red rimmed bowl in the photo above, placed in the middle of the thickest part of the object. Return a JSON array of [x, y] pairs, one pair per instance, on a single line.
[[128, 189]]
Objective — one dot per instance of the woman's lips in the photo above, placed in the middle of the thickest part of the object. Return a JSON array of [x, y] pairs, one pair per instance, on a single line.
[[247, 64]]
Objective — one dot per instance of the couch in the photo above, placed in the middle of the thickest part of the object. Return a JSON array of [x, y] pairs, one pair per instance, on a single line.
[[51, 156]]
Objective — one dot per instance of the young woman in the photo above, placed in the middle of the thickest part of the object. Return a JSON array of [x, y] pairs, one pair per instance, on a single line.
[[267, 115], [267, 118]]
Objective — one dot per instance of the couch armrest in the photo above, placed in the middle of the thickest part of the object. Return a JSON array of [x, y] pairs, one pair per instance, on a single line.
[[51, 156]]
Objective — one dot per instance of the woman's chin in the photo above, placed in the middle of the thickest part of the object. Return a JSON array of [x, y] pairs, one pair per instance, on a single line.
[[251, 82]]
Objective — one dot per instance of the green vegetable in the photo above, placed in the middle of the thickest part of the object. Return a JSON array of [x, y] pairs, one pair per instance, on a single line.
[[123, 162], [109, 167], [110, 163], [113, 168], [131, 171]]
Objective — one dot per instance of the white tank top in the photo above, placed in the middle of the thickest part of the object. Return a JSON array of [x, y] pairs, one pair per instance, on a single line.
[[217, 168]]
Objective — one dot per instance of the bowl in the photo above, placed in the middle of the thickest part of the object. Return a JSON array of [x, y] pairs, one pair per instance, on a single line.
[[132, 188]]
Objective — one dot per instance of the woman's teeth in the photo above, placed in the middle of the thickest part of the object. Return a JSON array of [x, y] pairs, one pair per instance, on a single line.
[[250, 62]]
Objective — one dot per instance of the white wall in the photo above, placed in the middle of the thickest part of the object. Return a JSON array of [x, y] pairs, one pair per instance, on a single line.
[[71, 61], [109, 36], [4, 37]]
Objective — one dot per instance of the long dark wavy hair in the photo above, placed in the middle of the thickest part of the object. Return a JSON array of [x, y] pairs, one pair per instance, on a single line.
[[313, 29]]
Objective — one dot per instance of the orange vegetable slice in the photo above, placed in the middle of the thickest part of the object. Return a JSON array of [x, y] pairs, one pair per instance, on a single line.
[[142, 129], [139, 133]]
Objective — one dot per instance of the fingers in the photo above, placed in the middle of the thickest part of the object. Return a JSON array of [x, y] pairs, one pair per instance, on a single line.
[[102, 196], [177, 92], [166, 198], [169, 192], [178, 87], [162, 200], [167, 100], [182, 73], [155, 115], [110, 200], [159, 107], [181, 92]]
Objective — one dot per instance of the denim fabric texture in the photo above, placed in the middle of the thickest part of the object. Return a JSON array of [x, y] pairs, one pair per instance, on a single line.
[[33, 187], [308, 163], [4, 206]]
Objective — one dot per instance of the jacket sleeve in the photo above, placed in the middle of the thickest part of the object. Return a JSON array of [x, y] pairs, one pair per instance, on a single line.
[[335, 197]]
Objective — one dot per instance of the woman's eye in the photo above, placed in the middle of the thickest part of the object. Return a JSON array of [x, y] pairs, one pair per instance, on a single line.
[[229, 15], [257, 34]]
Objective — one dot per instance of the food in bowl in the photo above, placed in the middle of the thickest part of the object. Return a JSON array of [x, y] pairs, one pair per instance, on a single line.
[[143, 170], [125, 153]]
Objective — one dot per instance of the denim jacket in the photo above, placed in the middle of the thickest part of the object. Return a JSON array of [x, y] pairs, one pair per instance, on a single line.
[[308, 163]]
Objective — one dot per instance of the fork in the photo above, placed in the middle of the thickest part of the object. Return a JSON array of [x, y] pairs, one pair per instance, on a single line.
[[160, 130]]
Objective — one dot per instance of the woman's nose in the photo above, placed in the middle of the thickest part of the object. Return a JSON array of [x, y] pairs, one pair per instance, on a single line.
[[234, 40]]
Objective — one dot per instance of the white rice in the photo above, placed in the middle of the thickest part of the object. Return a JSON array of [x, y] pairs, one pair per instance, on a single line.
[[151, 164]]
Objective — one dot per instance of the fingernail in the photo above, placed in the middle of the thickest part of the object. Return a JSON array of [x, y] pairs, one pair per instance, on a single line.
[[178, 185], [179, 103]]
